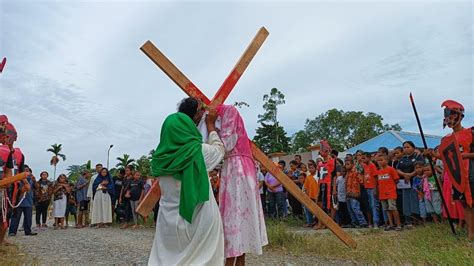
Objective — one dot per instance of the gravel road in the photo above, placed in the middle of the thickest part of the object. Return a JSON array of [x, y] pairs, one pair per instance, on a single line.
[[106, 246]]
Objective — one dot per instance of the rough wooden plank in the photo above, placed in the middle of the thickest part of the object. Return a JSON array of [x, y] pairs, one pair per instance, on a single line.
[[292, 188], [9, 180], [149, 201], [172, 71], [239, 68]]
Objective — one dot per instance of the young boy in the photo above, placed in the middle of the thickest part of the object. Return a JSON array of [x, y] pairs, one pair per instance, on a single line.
[[370, 184], [71, 204], [215, 183], [342, 217], [353, 184], [431, 194], [387, 178], [136, 193], [418, 187], [311, 189]]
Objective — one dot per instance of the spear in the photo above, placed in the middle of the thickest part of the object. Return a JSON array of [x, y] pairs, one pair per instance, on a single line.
[[431, 164]]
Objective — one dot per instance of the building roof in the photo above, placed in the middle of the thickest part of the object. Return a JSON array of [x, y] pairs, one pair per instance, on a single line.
[[391, 139]]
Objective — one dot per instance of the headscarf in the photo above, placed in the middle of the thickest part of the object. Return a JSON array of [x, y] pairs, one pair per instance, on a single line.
[[99, 179], [179, 154]]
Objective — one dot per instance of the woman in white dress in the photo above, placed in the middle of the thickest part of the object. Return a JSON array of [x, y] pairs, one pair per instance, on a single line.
[[103, 189], [189, 228], [61, 188]]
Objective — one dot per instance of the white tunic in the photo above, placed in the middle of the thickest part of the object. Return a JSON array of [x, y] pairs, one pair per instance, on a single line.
[[90, 192], [178, 242], [102, 211]]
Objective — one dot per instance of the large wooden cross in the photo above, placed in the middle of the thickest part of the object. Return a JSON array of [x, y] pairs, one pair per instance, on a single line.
[[189, 88], [10, 180]]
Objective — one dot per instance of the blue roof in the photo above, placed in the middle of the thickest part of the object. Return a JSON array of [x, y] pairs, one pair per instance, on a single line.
[[392, 139]]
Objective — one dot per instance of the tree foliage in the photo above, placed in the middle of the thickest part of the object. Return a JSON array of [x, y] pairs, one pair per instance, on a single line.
[[270, 136], [342, 129], [56, 150], [270, 105], [124, 161], [144, 165]]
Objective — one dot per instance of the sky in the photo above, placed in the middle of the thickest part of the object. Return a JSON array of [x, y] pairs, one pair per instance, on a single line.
[[75, 74]]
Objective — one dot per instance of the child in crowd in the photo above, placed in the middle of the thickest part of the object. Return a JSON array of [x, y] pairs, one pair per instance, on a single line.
[[387, 178], [311, 189], [431, 193], [215, 183], [342, 214], [370, 184], [418, 187], [82, 201], [71, 204], [134, 192], [353, 184], [60, 190]]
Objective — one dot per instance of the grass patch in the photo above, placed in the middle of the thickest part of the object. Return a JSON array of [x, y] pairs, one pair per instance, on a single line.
[[432, 244], [11, 255]]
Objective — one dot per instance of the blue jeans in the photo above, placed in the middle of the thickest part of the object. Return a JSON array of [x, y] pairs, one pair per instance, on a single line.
[[353, 207], [309, 216], [27, 219], [276, 204], [374, 205]]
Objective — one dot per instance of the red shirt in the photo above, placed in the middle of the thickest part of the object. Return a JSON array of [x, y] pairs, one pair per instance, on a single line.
[[353, 183], [370, 173], [325, 170], [387, 181]]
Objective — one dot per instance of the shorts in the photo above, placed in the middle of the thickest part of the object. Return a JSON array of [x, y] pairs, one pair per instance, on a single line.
[[83, 205], [389, 204], [433, 205], [71, 209]]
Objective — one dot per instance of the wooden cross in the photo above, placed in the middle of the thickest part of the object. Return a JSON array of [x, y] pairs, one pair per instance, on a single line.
[[189, 88], [10, 180]]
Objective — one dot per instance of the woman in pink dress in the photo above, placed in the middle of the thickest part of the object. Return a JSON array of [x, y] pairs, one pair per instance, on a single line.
[[239, 197]]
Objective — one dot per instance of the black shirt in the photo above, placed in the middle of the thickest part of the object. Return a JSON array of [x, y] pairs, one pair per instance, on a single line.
[[407, 163], [136, 188]]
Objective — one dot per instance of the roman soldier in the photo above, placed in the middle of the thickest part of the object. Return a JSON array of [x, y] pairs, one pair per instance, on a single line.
[[457, 153]]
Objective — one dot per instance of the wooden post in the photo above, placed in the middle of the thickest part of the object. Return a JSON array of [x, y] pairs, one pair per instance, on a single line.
[[12, 179], [189, 88]]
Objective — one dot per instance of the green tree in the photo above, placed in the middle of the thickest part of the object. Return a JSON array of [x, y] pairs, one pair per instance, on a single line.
[[270, 105], [144, 165], [266, 140], [56, 150], [74, 172], [300, 141], [342, 129], [270, 136], [124, 161]]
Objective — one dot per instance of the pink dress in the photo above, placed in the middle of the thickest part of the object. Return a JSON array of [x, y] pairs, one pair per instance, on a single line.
[[239, 196]]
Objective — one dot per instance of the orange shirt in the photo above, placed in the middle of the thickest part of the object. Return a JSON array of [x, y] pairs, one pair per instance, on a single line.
[[311, 187], [370, 173], [353, 182], [387, 181]]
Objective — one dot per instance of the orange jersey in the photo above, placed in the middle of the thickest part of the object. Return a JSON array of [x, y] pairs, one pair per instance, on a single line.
[[311, 187], [370, 173], [387, 183]]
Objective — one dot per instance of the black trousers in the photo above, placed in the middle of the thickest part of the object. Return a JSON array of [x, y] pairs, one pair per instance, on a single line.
[[15, 221], [42, 212], [155, 211]]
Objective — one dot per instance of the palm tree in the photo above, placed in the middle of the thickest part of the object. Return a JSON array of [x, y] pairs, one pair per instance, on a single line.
[[56, 149], [125, 161]]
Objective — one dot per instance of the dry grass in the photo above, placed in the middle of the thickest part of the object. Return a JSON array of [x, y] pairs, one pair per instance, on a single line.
[[10, 255], [432, 244]]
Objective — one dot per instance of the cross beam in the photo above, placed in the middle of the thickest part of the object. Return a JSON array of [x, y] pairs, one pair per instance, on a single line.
[[189, 88], [12, 179]]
